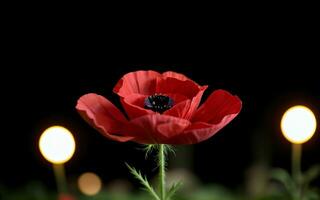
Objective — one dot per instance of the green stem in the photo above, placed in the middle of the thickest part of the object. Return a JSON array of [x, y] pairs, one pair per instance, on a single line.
[[60, 178], [296, 169], [162, 172]]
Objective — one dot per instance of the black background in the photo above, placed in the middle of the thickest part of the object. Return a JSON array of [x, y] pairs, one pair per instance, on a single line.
[[270, 64]]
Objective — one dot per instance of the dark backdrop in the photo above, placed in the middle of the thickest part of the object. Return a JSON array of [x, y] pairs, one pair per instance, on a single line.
[[51, 65]]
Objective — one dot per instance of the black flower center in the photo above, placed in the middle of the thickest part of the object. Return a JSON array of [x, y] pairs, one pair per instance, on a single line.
[[158, 103]]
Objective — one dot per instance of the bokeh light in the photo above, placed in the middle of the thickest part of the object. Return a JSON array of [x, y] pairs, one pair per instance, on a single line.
[[89, 184], [57, 144], [298, 124]]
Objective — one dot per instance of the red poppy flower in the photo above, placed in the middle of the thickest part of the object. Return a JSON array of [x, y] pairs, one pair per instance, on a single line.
[[66, 197], [161, 109]]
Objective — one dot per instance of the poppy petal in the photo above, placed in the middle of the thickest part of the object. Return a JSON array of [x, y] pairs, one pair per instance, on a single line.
[[156, 128], [200, 131], [177, 98], [219, 104], [134, 105], [175, 75], [103, 115], [139, 82], [167, 85], [179, 110], [186, 109]]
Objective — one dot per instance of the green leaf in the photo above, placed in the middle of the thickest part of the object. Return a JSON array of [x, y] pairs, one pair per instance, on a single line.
[[173, 189], [169, 149], [311, 195], [311, 174], [143, 180], [149, 149], [283, 177]]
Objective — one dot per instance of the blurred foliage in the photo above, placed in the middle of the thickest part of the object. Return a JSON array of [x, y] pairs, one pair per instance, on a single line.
[[291, 187], [281, 187], [32, 191], [36, 191]]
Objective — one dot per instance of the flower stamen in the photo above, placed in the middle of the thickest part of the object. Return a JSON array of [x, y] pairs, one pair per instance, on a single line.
[[158, 103]]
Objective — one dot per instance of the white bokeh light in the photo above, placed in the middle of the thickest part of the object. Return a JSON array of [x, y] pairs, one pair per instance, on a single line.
[[57, 144], [298, 124]]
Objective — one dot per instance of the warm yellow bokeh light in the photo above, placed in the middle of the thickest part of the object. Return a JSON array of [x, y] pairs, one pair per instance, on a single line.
[[57, 144], [298, 124], [89, 184]]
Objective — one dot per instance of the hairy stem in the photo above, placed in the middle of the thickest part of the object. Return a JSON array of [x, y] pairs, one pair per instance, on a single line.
[[162, 172]]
